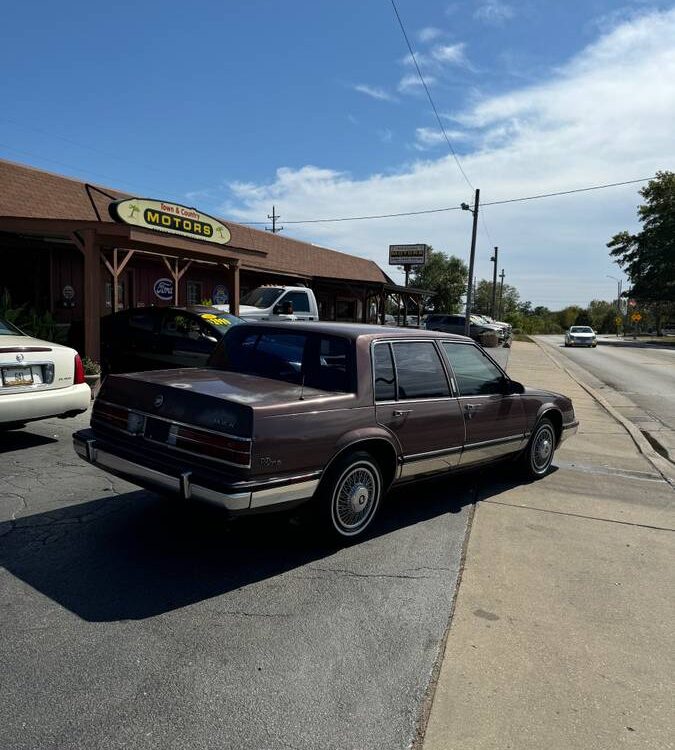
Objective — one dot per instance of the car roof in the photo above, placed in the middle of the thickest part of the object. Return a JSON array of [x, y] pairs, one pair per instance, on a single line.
[[355, 330]]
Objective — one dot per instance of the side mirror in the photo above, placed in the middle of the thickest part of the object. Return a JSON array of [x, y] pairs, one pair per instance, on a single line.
[[513, 386], [276, 310]]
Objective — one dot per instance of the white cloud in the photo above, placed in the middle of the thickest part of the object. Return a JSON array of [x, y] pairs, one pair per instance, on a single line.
[[412, 83], [428, 34], [606, 116], [374, 91], [449, 53], [494, 12], [427, 138]]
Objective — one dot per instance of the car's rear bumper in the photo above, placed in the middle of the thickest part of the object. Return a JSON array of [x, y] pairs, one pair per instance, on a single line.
[[238, 497], [26, 406]]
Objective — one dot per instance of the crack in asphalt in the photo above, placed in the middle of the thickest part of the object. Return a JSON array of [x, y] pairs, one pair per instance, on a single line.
[[343, 572]]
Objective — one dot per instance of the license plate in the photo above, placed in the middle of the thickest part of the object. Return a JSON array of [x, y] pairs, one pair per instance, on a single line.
[[17, 376]]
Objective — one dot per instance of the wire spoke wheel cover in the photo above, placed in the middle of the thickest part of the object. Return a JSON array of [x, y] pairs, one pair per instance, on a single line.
[[355, 498], [541, 448]]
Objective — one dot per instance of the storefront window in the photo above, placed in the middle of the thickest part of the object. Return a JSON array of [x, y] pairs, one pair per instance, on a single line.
[[194, 292]]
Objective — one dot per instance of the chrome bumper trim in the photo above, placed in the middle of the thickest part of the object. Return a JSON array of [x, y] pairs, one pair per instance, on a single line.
[[186, 488], [569, 429]]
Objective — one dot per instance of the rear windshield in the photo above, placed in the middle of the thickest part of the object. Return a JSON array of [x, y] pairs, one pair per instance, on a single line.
[[7, 329], [316, 360]]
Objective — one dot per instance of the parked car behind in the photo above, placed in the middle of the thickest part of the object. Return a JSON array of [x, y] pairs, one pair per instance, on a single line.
[[38, 379], [330, 414], [152, 338], [455, 324]]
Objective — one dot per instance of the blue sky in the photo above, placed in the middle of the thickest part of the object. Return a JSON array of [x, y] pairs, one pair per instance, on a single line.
[[313, 106]]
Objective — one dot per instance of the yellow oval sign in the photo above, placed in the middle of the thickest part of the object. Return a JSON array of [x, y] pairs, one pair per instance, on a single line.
[[172, 218]]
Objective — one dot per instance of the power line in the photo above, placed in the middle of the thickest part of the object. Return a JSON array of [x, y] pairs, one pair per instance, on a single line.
[[457, 208], [431, 101]]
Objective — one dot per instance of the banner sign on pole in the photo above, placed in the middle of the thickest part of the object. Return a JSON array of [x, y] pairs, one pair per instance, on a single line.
[[408, 255]]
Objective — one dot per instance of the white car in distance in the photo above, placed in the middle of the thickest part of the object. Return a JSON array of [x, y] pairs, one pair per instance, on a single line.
[[580, 336], [38, 379]]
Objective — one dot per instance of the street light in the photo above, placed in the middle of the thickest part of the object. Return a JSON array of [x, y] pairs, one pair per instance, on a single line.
[[469, 288]]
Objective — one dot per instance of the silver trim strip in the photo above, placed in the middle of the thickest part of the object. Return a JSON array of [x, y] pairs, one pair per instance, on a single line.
[[184, 486], [476, 452]]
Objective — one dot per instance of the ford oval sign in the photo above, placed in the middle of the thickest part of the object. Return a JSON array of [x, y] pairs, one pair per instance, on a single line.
[[164, 289]]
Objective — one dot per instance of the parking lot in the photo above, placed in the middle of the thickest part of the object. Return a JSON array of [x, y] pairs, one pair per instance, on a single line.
[[132, 622]]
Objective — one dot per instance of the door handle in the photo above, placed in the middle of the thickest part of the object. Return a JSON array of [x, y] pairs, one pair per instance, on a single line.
[[471, 409], [401, 412]]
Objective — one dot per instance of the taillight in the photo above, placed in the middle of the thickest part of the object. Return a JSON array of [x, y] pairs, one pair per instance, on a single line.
[[213, 445], [111, 414], [79, 371]]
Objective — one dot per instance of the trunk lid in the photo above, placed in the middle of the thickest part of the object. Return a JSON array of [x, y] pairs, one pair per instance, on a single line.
[[28, 364]]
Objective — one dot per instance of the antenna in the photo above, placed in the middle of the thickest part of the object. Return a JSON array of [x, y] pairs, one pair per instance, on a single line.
[[302, 388]]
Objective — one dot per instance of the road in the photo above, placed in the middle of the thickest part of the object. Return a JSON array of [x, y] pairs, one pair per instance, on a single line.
[[641, 377], [129, 622]]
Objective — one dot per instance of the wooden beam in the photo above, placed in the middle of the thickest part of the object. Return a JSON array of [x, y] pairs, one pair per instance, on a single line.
[[127, 258], [92, 296], [233, 286]]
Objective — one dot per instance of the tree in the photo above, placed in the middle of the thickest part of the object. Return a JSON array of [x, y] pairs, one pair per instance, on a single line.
[[648, 257], [446, 275], [483, 299]]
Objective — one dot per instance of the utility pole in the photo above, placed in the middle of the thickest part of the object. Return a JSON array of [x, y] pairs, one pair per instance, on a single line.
[[274, 218], [501, 291], [494, 284], [469, 286]]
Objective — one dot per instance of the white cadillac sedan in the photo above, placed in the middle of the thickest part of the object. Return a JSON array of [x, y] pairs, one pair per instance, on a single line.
[[38, 379], [580, 336]]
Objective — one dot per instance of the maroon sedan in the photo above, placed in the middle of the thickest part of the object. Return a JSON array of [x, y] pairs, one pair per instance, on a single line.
[[332, 414]]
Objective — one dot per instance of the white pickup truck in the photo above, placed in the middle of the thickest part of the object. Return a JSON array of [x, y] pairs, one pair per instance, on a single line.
[[277, 303]]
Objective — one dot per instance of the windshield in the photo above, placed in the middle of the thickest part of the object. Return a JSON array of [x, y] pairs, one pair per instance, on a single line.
[[263, 296], [581, 329], [314, 360], [7, 329]]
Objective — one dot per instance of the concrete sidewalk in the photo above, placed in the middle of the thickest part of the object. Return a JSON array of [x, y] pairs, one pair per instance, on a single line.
[[562, 636]]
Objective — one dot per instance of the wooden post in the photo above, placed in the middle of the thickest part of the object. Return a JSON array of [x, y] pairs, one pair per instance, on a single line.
[[233, 285], [92, 296], [115, 271], [176, 275]]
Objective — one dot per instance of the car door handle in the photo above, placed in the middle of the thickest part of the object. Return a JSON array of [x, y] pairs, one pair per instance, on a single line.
[[471, 409], [401, 412]]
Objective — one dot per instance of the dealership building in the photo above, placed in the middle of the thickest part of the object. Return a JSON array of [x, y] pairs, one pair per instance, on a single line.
[[82, 251]]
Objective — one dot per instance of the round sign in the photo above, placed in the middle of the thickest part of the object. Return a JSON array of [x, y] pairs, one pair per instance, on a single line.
[[163, 289], [220, 295], [68, 292]]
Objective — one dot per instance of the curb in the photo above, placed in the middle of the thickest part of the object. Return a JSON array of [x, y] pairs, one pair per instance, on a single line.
[[661, 464]]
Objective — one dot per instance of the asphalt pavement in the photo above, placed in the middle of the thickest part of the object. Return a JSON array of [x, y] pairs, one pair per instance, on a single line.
[[637, 379], [129, 621]]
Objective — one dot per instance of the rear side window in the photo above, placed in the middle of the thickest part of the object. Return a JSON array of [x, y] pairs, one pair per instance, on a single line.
[[476, 375], [383, 367], [419, 371]]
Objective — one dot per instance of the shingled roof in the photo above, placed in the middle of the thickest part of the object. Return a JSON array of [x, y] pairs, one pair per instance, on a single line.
[[32, 193]]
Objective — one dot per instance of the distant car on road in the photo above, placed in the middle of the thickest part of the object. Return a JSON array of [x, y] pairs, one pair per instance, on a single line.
[[325, 413], [154, 338], [580, 336], [38, 379]]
